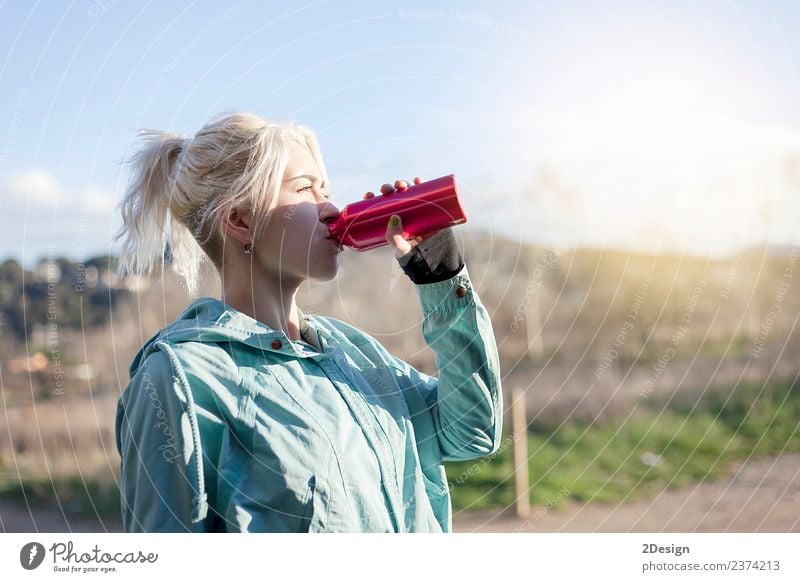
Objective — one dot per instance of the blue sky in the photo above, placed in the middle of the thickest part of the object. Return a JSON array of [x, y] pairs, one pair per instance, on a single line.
[[636, 125]]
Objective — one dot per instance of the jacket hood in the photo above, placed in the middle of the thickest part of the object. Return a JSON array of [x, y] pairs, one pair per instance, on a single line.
[[210, 320]]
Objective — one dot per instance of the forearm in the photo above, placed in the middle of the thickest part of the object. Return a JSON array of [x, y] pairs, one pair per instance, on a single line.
[[467, 411]]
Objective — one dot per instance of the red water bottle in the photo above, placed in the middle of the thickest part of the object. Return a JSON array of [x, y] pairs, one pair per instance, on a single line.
[[422, 208]]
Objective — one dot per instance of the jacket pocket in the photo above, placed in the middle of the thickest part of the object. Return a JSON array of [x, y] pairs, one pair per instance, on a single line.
[[315, 507], [433, 489], [439, 498], [308, 504]]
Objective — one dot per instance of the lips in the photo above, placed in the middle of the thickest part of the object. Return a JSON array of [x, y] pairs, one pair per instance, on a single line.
[[336, 242]]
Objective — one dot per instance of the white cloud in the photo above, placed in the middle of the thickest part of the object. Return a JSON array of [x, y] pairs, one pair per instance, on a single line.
[[98, 202], [656, 156], [35, 186], [41, 216]]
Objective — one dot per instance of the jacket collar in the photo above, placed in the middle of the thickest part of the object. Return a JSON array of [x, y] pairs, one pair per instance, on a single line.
[[208, 319]]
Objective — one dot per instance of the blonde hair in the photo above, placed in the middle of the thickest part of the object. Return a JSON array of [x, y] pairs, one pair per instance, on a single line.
[[180, 189]]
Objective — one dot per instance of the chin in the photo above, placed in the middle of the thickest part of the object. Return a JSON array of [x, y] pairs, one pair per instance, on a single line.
[[326, 273]]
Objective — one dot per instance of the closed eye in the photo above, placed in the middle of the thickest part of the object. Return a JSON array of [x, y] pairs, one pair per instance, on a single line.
[[309, 187]]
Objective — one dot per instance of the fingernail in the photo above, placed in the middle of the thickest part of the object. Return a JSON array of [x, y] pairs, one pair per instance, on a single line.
[[394, 220]]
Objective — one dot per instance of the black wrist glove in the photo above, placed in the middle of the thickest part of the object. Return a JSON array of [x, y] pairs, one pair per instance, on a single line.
[[435, 259]]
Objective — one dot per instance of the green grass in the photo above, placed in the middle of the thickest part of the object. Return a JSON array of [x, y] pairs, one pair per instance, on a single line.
[[93, 497], [691, 441]]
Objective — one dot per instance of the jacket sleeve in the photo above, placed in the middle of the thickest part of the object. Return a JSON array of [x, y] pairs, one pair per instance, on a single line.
[[434, 259], [158, 427], [465, 402]]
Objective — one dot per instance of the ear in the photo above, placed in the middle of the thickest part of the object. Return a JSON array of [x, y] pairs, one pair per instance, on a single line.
[[236, 224]]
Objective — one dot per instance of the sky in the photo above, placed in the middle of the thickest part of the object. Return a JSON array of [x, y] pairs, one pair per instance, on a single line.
[[644, 126]]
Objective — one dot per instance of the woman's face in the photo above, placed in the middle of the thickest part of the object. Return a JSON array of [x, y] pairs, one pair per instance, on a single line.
[[295, 242]]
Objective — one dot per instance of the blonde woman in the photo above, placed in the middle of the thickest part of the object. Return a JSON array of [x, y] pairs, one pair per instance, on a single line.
[[247, 415]]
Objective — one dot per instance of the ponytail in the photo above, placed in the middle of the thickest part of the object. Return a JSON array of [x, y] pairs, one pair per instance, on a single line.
[[149, 226]]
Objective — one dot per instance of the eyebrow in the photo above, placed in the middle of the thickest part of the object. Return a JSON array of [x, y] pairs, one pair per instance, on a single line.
[[308, 176]]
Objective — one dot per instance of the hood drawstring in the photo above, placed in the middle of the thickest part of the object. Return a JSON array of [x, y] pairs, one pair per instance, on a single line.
[[200, 499]]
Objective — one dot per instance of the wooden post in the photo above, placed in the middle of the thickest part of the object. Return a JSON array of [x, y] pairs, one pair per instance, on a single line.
[[519, 427]]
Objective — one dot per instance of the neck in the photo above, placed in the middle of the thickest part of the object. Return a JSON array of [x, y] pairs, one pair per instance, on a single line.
[[270, 300]]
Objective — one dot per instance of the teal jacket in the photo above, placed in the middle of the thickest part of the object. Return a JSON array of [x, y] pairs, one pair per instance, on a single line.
[[228, 425]]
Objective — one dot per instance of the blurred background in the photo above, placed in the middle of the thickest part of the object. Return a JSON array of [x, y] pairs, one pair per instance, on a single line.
[[631, 175]]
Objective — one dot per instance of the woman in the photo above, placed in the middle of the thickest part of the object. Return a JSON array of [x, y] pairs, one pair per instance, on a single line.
[[245, 414]]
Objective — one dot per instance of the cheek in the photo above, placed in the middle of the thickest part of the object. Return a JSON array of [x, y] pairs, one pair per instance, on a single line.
[[295, 227]]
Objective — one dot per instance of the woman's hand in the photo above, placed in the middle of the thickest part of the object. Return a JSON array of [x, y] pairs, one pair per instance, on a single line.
[[394, 230]]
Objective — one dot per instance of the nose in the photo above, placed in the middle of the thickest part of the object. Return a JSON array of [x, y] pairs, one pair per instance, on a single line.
[[329, 212]]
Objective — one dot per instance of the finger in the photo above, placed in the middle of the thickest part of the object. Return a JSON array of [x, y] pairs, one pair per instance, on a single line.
[[387, 189], [417, 180], [401, 184], [394, 236], [369, 195]]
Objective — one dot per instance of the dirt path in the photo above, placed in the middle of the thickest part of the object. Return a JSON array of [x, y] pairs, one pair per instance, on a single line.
[[759, 495]]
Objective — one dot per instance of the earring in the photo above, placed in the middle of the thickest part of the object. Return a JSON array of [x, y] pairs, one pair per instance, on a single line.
[[248, 248]]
